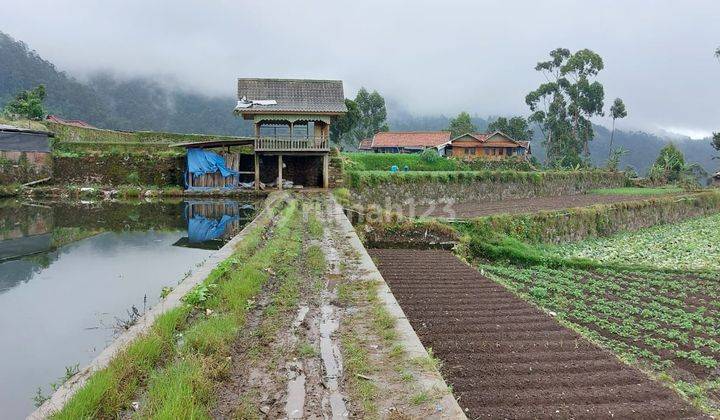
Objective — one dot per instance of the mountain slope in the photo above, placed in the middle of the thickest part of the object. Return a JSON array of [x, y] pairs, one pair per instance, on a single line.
[[136, 104]]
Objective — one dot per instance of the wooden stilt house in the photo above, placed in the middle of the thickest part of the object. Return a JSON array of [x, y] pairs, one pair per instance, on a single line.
[[290, 146]]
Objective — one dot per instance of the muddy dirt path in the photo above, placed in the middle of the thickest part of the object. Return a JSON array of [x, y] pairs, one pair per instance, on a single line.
[[507, 359]]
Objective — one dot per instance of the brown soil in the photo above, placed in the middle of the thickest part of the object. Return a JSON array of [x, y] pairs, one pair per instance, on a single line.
[[470, 209], [507, 359]]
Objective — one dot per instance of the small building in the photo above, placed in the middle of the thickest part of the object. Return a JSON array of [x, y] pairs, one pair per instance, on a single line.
[[291, 143], [365, 145], [24, 155], [410, 141], [493, 146], [59, 120]]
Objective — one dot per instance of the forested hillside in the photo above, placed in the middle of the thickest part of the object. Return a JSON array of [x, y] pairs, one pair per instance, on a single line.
[[136, 104], [145, 104]]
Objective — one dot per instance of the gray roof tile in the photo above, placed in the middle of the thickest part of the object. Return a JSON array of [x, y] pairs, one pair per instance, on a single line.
[[293, 95]]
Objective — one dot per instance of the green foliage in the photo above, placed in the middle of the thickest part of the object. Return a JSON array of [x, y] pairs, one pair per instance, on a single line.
[[371, 179], [341, 128], [431, 162], [27, 104], [614, 159], [372, 114], [430, 156], [564, 105], [182, 390], [716, 141], [672, 161], [637, 191], [462, 124], [516, 127]]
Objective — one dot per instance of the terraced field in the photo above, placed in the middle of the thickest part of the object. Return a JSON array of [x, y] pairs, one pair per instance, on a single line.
[[507, 359], [667, 321]]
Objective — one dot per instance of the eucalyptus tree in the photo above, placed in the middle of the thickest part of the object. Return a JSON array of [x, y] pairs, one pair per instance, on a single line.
[[372, 114], [563, 105], [617, 111]]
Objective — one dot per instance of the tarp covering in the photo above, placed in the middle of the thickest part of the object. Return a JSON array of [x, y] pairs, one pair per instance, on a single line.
[[201, 229], [201, 162]]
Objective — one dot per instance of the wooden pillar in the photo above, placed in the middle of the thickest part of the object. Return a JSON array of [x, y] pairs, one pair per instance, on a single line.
[[279, 180], [326, 171], [257, 171]]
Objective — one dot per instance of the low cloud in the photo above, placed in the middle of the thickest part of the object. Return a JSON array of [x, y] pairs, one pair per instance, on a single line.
[[428, 56]]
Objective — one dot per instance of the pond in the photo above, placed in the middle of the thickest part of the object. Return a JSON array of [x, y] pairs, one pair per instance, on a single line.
[[71, 273]]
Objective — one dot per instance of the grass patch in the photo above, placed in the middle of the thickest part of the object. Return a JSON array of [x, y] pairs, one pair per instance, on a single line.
[[637, 191], [182, 390], [315, 259], [357, 363]]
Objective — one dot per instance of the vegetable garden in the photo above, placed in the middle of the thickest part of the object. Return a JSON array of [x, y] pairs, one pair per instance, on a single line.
[[690, 245], [666, 321]]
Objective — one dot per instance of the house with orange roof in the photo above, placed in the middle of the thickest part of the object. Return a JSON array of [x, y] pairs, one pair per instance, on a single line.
[[493, 146], [410, 141]]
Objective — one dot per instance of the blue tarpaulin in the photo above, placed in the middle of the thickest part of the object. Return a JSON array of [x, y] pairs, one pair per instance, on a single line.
[[201, 229], [201, 162]]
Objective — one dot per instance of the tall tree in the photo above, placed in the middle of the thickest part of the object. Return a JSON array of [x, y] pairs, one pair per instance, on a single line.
[[617, 110], [27, 104], [716, 143], [343, 125], [515, 127], [462, 124], [562, 107], [373, 114]]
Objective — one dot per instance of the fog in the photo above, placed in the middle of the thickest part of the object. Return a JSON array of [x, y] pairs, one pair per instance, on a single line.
[[429, 57]]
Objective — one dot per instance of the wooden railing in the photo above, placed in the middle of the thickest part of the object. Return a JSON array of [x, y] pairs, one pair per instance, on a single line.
[[288, 144]]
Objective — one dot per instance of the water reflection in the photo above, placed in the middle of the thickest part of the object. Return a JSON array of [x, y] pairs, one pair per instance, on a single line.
[[69, 269], [210, 224]]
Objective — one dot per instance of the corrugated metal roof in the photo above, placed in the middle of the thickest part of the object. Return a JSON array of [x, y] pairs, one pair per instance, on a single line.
[[293, 95]]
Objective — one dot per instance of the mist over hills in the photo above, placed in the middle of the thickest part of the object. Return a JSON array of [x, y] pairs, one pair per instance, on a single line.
[[146, 104]]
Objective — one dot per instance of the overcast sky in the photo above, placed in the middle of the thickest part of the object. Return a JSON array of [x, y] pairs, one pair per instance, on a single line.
[[427, 56]]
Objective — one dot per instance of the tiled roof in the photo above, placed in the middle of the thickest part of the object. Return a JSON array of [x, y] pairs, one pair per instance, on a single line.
[[365, 144], [410, 139], [293, 95], [60, 120], [483, 139]]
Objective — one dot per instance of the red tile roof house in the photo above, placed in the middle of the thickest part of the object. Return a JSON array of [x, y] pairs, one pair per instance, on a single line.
[[365, 145], [410, 141], [493, 146]]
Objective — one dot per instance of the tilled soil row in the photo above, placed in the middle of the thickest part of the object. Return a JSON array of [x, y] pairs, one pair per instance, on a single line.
[[507, 359]]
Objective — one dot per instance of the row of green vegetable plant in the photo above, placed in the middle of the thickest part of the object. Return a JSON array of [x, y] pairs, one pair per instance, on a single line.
[[666, 321]]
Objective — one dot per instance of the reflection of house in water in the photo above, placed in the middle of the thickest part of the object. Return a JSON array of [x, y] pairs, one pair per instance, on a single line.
[[211, 223], [24, 231]]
